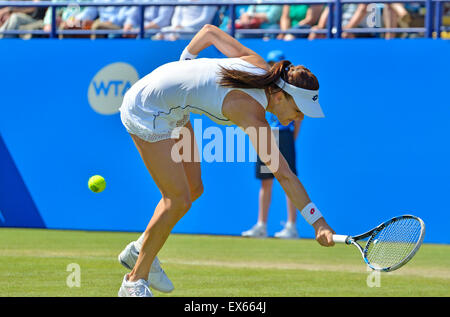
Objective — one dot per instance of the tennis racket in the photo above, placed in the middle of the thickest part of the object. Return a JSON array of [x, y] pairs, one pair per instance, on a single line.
[[390, 245]]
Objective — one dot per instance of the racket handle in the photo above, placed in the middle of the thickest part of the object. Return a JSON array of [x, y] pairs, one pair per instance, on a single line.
[[338, 238]]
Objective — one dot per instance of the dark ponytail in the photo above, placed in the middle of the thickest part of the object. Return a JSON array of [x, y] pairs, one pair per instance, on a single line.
[[241, 79], [299, 76]]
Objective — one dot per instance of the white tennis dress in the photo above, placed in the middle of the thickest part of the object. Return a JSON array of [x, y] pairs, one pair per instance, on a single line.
[[155, 106]]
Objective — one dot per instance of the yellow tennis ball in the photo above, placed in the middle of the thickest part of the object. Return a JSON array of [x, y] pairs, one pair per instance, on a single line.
[[97, 183]]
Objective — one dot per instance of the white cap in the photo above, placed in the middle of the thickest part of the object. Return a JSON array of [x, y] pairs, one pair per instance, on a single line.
[[306, 100]]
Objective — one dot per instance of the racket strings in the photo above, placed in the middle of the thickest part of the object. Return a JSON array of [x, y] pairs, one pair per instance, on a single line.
[[394, 243]]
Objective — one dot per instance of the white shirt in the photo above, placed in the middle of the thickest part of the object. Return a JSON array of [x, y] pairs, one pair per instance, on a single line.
[[174, 89]]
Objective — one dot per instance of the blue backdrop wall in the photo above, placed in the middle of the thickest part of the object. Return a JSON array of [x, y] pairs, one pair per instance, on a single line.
[[382, 150]]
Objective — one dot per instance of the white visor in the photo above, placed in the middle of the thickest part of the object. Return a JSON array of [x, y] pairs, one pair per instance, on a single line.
[[306, 100]]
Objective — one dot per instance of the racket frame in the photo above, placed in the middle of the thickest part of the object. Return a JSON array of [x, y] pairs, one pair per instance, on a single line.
[[372, 233]]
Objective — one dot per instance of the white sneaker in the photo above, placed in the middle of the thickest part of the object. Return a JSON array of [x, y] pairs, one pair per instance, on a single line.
[[134, 289], [288, 232], [157, 278], [257, 231]]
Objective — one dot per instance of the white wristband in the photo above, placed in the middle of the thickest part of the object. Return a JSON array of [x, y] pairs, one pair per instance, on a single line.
[[311, 213], [186, 55]]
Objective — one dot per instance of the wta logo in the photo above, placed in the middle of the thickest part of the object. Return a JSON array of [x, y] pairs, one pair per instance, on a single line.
[[109, 85]]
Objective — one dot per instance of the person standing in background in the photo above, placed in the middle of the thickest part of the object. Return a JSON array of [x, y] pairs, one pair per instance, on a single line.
[[287, 136]]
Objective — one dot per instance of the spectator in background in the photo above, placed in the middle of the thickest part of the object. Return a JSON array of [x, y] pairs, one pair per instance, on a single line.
[[5, 13], [65, 17], [19, 18], [446, 20], [155, 17], [404, 18], [260, 17], [103, 18], [187, 18], [224, 16], [298, 17], [353, 16], [286, 142], [395, 15]]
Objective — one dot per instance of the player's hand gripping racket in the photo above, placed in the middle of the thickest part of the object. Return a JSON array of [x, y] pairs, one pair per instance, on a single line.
[[390, 245]]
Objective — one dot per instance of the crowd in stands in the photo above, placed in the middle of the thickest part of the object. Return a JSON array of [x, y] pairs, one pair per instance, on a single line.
[[179, 22]]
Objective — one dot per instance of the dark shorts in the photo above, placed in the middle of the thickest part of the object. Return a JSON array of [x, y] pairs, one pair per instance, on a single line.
[[287, 148]]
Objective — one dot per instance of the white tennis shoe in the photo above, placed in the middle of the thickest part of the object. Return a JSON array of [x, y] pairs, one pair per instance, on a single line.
[[134, 289], [288, 232], [257, 231], [157, 278]]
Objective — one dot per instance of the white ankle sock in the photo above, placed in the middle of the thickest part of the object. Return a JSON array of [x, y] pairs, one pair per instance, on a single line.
[[290, 224]]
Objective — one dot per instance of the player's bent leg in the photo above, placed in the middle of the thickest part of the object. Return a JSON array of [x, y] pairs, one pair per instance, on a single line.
[[192, 168], [171, 179], [136, 289], [169, 211], [196, 192], [157, 278]]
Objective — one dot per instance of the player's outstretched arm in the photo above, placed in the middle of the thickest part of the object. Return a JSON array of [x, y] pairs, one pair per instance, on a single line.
[[253, 122], [226, 44]]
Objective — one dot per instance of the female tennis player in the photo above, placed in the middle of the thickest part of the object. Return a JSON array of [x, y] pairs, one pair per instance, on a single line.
[[234, 90]]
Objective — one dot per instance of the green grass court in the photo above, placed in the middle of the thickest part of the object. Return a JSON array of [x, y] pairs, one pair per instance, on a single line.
[[33, 263]]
